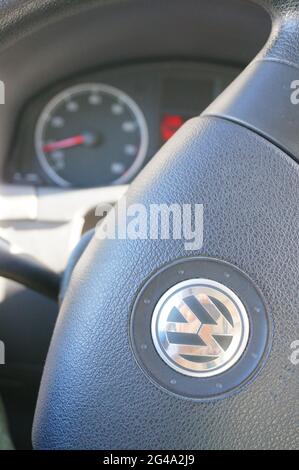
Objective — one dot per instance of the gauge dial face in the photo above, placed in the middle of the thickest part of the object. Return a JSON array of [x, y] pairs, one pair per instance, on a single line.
[[91, 135]]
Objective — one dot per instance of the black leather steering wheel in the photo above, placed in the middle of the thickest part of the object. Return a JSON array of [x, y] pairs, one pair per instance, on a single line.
[[239, 159]]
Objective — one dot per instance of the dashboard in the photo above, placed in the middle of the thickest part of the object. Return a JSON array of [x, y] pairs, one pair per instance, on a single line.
[[100, 128]]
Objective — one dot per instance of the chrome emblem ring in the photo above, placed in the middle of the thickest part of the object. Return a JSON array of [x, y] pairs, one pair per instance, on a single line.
[[200, 328]]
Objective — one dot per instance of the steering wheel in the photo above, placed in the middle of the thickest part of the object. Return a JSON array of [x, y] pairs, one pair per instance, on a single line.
[[118, 373]]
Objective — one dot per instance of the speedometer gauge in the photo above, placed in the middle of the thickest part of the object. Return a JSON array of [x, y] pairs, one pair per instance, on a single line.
[[91, 135]]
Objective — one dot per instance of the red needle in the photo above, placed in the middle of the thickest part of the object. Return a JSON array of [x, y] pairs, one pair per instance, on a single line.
[[65, 143]]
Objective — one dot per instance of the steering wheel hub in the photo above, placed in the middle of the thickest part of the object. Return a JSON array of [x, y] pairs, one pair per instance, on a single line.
[[199, 328]]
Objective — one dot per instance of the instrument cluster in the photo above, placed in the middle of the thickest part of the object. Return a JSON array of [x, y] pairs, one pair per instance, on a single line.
[[101, 128]]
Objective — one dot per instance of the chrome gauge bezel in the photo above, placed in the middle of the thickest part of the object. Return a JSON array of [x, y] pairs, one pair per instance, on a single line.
[[81, 88]]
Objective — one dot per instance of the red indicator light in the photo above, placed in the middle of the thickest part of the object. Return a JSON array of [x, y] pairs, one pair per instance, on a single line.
[[169, 125]]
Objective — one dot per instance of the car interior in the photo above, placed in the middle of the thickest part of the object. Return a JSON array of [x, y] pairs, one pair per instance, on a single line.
[[159, 102]]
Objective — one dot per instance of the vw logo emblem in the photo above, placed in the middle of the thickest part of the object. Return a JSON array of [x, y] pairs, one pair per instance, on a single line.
[[200, 328]]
